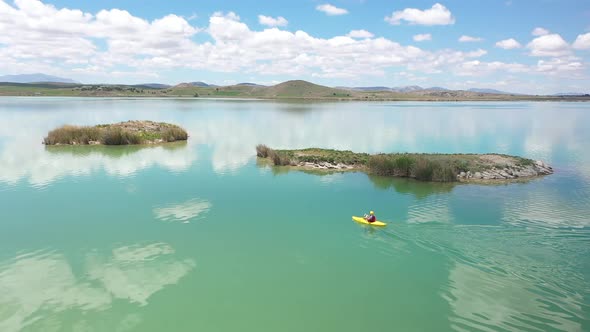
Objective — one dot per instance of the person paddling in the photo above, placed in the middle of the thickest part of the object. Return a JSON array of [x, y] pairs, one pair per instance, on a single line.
[[371, 217]]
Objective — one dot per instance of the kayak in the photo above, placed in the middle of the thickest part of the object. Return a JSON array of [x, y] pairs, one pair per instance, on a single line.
[[363, 221]]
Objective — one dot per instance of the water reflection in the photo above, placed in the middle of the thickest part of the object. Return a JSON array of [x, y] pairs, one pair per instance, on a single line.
[[505, 278], [136, 272], [484, 301], [37, 285], [183, 212], [43, 166], [412, 187], [549, 208], [535, 130], [526, 276], [324, 176], [551, 131]]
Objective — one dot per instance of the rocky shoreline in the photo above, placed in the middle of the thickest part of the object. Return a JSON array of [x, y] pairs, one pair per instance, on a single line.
[[420, 166], [512, 172]]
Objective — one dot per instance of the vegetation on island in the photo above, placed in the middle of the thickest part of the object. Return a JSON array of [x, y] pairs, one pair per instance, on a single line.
[[420, 166], [123, 133]]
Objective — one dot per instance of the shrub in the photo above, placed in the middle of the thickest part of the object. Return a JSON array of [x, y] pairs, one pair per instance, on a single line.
[[381, 164], [423, 169], [72, 135], [279, 159], [174, 133], [118, 136], [461, 166], [262, 150], [404, 164], [444, 173]]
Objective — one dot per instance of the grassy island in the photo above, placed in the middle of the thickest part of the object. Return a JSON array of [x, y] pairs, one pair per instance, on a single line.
[[424, 167], [123, 133]]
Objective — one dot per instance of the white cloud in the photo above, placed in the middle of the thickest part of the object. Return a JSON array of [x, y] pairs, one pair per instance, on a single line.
[[193, 16], [480, 68], [422, 37], [549, 45], [272, 22], [68, 41], [540, 32], [331, 10], [556, 66], [360, 34], [437, 15], [508, 44], [582, 42], [468, 39]]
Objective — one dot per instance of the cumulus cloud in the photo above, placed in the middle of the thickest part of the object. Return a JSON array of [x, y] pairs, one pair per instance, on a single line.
[[114, 43], [582, 42], [360, 34], [551, 45], [437, 15], [539, 32], [508, 44], [66, 35], [480, 68], [272, 22], [331, 10], [422, 37], [469, 39], [572, 67]]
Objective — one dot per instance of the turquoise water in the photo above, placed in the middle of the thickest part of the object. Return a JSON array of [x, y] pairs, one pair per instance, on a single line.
[[198, 236]]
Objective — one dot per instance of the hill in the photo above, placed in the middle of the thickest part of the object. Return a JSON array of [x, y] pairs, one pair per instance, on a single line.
[[493, 91], [202, 84], [303, 89], [153, 86], [250, 84], [35, 78]]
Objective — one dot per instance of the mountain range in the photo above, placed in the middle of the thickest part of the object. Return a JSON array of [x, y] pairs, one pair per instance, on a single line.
[[412, 89], [415, 88], [35, 78]]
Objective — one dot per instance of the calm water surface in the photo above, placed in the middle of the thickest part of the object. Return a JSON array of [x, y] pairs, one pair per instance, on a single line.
[[198, 236]]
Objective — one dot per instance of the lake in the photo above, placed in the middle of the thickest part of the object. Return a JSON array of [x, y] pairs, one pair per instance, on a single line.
[[200, 236]]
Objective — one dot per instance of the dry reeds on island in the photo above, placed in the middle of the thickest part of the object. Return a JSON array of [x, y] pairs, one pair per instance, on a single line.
[[123, 133]]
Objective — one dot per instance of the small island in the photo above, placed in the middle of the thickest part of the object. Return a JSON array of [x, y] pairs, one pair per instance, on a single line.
[[122, 133], [423, 167]]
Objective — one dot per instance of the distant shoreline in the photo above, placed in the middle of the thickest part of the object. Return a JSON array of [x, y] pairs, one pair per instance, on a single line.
[[433, 100], [288, 91]]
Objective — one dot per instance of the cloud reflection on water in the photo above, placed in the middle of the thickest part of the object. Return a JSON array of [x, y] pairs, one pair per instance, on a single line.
[[482, 301], [505, 277], [183, 212], [36, 285], [43, 166], [232, 129]]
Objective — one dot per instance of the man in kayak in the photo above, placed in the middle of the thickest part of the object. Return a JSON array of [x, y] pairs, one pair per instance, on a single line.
[[371, 217]]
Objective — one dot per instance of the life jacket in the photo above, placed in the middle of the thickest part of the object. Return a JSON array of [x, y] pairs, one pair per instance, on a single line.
[[372, 218]]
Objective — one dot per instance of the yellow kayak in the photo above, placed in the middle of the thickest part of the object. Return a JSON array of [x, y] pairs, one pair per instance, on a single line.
[[363, 221]]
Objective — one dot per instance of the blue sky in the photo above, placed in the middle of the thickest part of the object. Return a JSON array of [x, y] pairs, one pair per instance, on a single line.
[[540, 46]]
